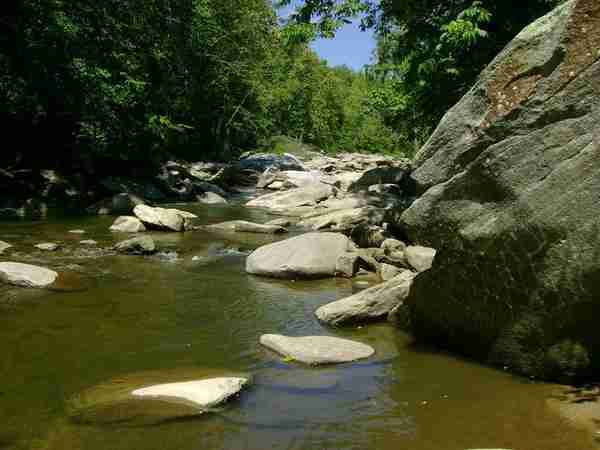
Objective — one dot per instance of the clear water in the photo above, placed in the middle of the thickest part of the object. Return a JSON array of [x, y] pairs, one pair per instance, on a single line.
[[120, 315]]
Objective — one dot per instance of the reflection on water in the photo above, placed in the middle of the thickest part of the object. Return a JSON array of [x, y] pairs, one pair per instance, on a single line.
[[119, 315]]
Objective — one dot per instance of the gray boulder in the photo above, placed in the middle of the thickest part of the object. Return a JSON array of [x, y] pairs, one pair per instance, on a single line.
[[368, 236], [315, 350], [262, 161], [386, 271], [385, 175], [26, 275], [511, 189], [371, 304], [343, 220], [128, 224], [312, 255], [348, 264], [143, 245], [242, 226]]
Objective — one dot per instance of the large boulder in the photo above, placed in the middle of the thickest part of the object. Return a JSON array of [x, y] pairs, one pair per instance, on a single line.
[[26, 275], [162, 218], [396, 175], [294, 198], [312, 255], [512, 205], [316, 350], [371, 304]]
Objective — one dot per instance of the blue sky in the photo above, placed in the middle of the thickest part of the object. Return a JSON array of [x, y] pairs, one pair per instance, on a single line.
[[351, 46]]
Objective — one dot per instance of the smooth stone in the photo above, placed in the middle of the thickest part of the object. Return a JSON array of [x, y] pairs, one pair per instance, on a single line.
[[317, 350], [371, 304], [88, 242], [143, 245], [391, 245], [48, 246], [312, 255], [162, 218], [242, 226], [204, 394], [77, 231], [4, 246], [280, 223], [26, 275], [128, 224], [343, 219], [420, 258], [294, 198], [211, 198], [348, 264]]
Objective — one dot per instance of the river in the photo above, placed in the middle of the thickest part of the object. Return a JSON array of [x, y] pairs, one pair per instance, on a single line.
[[120, 315]]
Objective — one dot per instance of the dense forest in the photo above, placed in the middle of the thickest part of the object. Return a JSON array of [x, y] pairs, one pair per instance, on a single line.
[[93, 83]]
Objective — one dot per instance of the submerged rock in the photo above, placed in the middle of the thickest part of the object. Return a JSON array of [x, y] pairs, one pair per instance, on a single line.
[[510, 188], [26, 275], [317, 350], [155, 397], [143, 245], [371, 304], [211, 198], [128, 224], [4, 246], [242, 226], [312, 255]]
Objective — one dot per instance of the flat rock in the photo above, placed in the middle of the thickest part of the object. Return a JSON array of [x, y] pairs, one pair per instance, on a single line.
[[48, 246], [343, 220], [294, 198], [211, 198], [143, 245], [128, 224], [371, 304], [4, 246], [204, 394], [317, 350], [77, 231], [26, 275], [242, 226], [89, 242], [312, 255]]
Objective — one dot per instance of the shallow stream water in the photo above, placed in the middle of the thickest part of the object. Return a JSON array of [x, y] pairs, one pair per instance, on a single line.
[[114, 316]]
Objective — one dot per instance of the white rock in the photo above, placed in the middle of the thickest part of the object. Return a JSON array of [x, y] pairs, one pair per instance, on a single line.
[[48, 246], [88, 242], [4, 246], [128, 224], [26, 275], [371, 304], [162, 218], [317, 349], [294, 198], [203, 393], [420, 258], [312, 255], [242, 226]]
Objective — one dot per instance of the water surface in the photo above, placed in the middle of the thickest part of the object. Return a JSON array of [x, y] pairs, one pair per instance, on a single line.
[[123, 315]]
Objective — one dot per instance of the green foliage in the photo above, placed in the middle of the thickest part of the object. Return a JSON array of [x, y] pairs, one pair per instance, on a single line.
[[429, 52]]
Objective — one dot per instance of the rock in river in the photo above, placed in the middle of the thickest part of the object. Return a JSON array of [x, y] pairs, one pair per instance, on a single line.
[[4, 246], [211, 198], [48, 246], [26, 275], [242, 226], [128, 224], [368, 305], [163, 218], [294, 198], [143, 245], [317, 350], [312, 255], [511, 191]]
